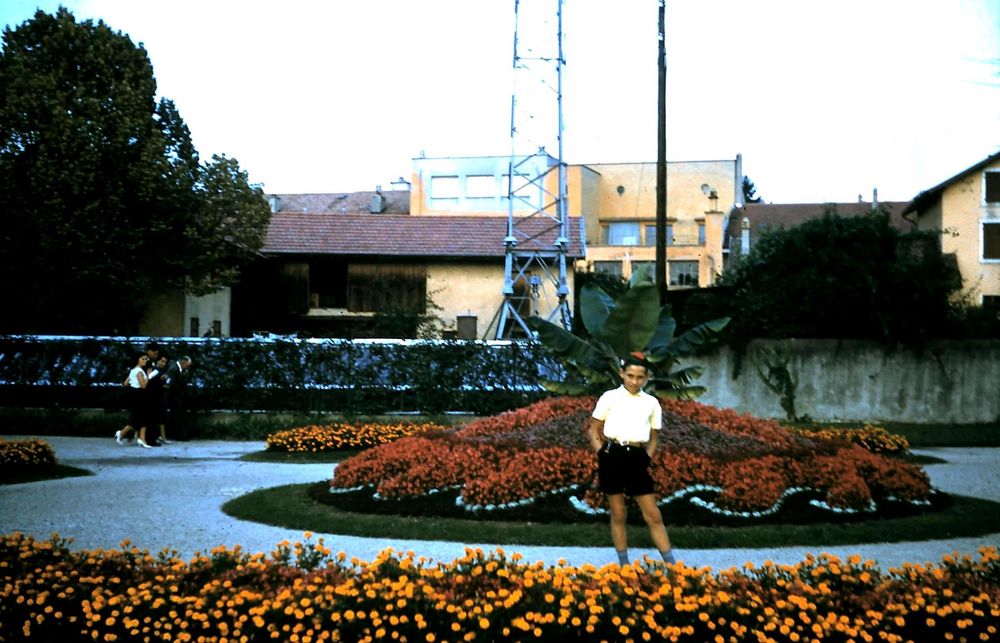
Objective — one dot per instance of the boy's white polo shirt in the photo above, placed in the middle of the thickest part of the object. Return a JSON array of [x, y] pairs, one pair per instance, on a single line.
[[627, 417]]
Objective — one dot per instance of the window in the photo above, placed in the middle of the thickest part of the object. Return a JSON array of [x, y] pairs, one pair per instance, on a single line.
[[991, 240], [621, 234], [444, 187], [683, 273], [651, 235], [327, 283], [609, 268], [992, 187], [701, 233], [387, 288], [481, 187], [647, 268]]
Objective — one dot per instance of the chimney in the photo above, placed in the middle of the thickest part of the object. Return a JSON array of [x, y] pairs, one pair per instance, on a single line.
[[745, 237], [874, 198], [378, 201]]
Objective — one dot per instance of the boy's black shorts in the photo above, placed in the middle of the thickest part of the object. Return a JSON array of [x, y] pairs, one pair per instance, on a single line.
[[624, 469]]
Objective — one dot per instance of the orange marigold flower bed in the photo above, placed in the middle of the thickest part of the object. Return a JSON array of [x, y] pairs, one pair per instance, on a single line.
[[304, 592], [26, 454], [873, 438], [731, 464], [343, 435]]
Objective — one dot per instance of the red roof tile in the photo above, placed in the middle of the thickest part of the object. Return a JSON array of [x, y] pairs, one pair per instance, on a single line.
[[409, 236], [775, 216]]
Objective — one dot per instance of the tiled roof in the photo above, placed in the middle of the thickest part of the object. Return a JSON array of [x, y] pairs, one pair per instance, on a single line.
[[927, 197], [396, 202], [405, 236], [773, 216]]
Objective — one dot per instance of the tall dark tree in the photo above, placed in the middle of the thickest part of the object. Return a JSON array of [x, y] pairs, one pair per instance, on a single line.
[[750, 191], [836, 277], [102, 197]]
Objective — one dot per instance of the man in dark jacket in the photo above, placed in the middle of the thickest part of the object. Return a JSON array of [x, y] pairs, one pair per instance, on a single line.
[[175, 385]]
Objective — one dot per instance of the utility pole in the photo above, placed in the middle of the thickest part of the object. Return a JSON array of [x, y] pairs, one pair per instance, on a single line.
[[661, 163]]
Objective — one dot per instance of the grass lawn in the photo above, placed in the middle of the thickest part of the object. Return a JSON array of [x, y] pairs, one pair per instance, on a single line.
[[294, 507], [34, 474]]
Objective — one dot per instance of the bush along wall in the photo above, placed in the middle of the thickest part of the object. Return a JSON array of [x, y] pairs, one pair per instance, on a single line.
[[335, 375]]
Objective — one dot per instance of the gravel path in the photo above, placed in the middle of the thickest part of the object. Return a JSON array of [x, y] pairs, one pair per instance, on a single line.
[[170, 498]]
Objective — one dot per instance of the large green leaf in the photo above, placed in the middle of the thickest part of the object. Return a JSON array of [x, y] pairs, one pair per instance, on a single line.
[[688, 341], [563, 343], [686, 393], [633, 320], [679, 378], [595, 306], [663, 335]]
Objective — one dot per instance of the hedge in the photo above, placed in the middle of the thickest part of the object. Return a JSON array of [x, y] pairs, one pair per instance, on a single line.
[[282, 373]]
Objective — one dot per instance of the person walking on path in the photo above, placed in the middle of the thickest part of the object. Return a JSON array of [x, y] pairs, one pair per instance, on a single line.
[[623, 431], [135, 400], [175, 383], [156, 400]]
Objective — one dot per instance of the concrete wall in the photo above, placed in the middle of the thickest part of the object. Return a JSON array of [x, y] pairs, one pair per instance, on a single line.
[[950, 382]]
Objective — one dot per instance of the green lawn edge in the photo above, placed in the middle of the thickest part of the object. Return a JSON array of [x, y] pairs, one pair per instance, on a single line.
[[42, 473], [289, 506], [305, 457]]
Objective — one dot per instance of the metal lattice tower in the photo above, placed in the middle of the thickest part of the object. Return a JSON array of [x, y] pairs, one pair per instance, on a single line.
[[537, 237]]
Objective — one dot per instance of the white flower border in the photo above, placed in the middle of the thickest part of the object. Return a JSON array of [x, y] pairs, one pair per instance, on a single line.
[[686, 493]]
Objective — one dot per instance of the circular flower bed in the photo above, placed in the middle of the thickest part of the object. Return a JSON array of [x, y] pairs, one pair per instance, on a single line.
[[711, 462]]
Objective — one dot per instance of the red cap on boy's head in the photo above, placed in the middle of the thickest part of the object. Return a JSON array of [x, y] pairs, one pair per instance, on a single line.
[[637, 358]]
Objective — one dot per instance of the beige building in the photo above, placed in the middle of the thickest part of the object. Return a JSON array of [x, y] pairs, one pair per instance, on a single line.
[[966, 209], [616, 203]]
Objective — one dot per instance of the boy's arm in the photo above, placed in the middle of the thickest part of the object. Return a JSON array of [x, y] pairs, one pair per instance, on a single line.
[[651, 445], [596, 434]]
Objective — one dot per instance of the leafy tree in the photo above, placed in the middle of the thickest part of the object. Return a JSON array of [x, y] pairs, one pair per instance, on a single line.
[[632, 322], [102, 197], [835, 277]]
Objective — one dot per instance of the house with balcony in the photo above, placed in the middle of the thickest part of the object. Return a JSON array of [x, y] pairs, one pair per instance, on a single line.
[[966, 210]]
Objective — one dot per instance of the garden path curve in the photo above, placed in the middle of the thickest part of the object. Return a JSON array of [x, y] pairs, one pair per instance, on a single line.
[[170, 497]]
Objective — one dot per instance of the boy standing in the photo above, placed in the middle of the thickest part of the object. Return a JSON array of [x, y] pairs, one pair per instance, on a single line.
[[623, 430]]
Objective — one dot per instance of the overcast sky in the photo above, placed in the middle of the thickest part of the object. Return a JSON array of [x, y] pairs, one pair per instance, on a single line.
[[824, 100]]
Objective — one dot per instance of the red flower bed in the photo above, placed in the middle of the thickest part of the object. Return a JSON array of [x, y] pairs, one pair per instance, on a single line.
[[749, 465]]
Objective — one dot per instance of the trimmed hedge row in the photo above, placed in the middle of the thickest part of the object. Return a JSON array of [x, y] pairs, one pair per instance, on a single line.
[[279, 373]]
